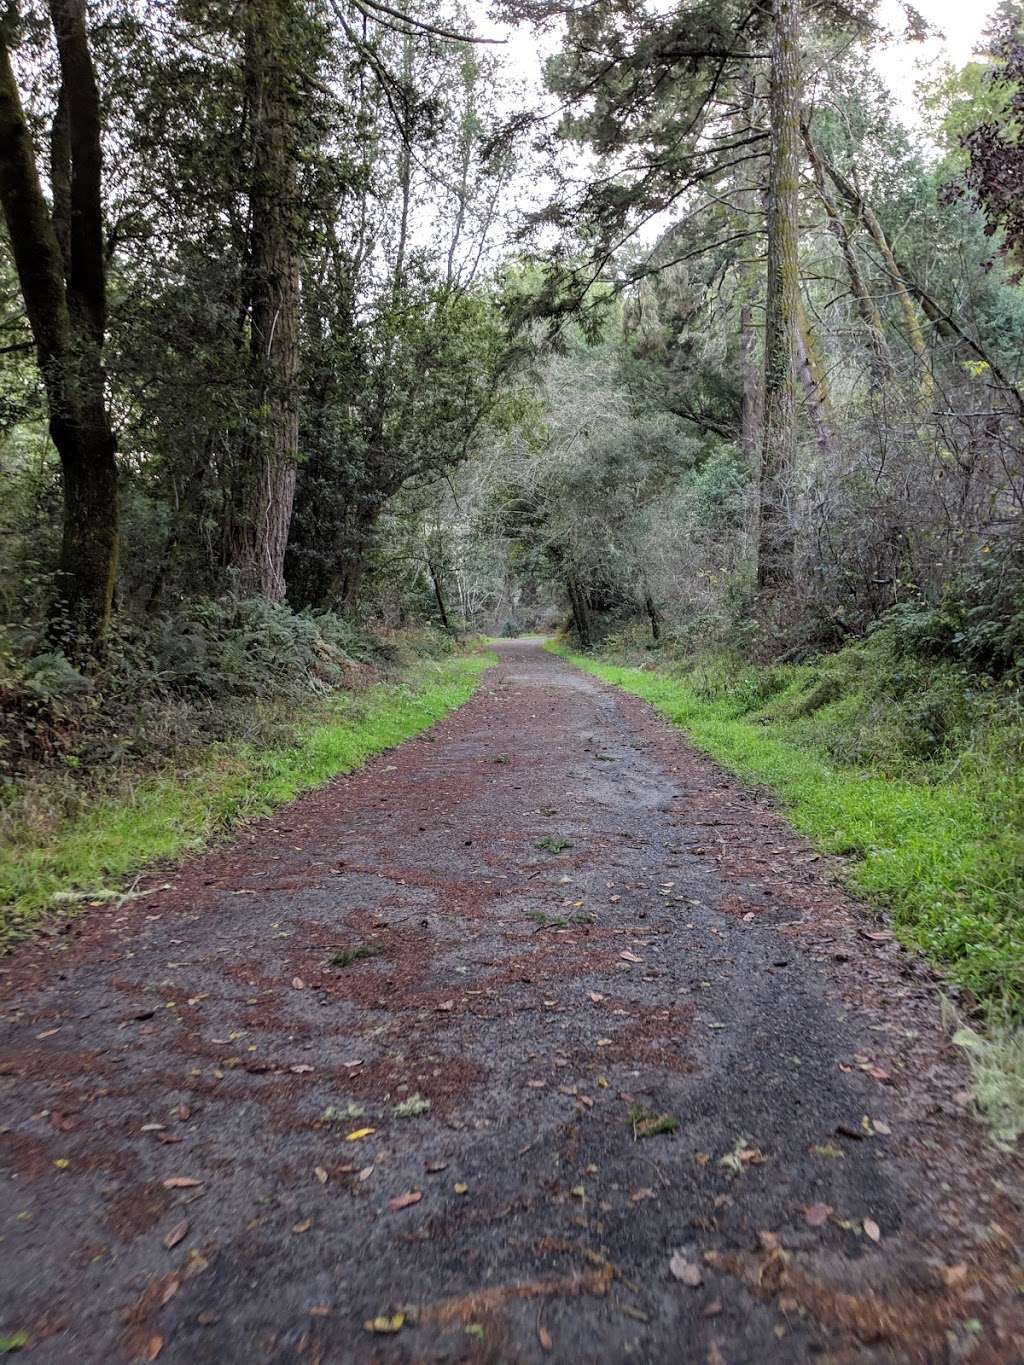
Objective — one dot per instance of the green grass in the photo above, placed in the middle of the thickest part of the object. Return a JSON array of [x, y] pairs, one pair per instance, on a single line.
[[940, 844], [88, 855]]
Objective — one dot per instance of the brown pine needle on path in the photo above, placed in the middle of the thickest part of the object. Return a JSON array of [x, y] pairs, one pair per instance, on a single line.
[[365, 1111]]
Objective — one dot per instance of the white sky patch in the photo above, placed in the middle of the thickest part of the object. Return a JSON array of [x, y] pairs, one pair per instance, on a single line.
[[901, 64]]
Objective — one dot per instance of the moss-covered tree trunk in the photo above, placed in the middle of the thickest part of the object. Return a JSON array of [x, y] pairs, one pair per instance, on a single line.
[[778, 449], [269, 459], [59, 257]]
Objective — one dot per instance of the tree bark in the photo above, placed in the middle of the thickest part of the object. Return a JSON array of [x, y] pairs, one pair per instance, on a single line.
[[439, 596], [62, 275], [652, 616], [778, 450], [580, 615], [751, 405], [270, 455], [814, 384]]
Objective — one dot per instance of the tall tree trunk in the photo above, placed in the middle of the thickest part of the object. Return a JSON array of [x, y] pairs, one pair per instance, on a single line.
[[435, 578], [580, 613], [751, 404], [272, 58], [652, 616], [814, 384], [61, 271], [778, 451]]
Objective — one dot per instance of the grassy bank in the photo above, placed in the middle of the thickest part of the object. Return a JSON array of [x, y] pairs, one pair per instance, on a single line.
[[168, 813], [934, 831]]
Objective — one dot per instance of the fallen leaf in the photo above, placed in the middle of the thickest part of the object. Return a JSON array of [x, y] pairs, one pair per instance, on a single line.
[[881, 1127], [181, 1182], [816, 1215], [298, 983], [358, 1134], [627, 956], [48, 1032], [153, 1348], [544, 1337], [460, 1188], [596, 997], [300, 1069], [445, 1006], [320, 1174], [304, 1226], [687, 1272], [365, 1173], [384, 1323], [176, 1234], [402, 1201], [436, 1167], [829, 1150], [604, 1042], [872, 1230]]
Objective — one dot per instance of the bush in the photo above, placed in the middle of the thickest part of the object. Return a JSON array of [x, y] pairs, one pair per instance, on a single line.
[[171, 679]]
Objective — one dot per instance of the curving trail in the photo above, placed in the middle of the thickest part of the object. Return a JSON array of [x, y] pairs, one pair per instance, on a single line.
[[200, 1155]]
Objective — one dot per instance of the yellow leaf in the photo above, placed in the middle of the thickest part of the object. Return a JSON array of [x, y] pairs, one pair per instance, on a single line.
[[383, 1323], [360, 1133]]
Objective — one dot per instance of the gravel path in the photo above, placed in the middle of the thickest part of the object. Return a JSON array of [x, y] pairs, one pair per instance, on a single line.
[[538, 1039]]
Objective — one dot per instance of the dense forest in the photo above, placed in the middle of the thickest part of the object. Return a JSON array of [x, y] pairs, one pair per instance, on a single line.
[[327, 340]]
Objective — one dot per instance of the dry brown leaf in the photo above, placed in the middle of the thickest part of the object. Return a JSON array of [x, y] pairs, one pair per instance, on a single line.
[[304, 1226], [181, 1182], [153, 1348], [544, 1337], [176, 1234], [298, 983], [320, 1174], [816, 1215], [627, 956], [402, 1201], [687, 1272], [872, 1230]]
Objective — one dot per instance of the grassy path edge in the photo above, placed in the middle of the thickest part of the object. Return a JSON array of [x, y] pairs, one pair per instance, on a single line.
[[167, 815]]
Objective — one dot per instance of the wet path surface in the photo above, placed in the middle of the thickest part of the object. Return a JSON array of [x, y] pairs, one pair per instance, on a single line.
[[384, 1081]]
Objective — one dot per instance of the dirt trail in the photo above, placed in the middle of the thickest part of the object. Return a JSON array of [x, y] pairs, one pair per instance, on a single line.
[[684, 953]]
